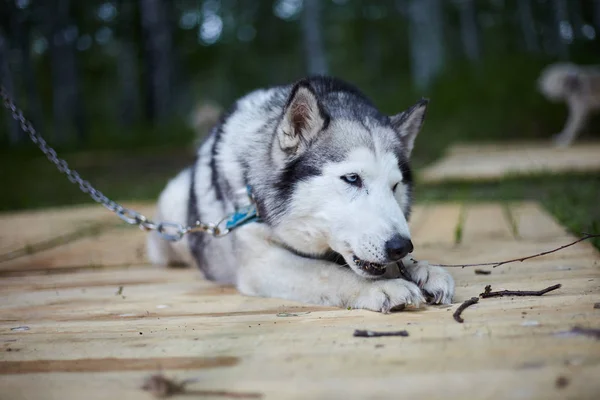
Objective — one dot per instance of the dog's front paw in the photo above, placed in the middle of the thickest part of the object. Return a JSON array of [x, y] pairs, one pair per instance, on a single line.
[[388, 295], [435, 282]]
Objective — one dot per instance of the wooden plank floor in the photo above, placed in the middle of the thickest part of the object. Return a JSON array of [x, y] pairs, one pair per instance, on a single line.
[[85, 317], [488, 162]]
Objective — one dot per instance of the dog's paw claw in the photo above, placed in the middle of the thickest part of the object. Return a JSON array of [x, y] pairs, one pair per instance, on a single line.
[[389, 295], [435, 282]]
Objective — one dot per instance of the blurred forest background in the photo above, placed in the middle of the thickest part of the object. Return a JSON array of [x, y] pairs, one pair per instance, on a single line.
[[108, 74], [113, 83]]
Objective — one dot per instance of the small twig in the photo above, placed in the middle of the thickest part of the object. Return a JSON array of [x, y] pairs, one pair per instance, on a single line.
[[488, 293], [495, 264], [365, 333], [482, 272], [462, 307]]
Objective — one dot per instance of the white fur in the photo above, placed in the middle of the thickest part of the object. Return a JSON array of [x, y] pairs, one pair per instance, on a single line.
[[172, 207], [353, 221]]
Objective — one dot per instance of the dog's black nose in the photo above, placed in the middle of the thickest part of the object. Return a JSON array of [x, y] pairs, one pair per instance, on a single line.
[[398, 247]]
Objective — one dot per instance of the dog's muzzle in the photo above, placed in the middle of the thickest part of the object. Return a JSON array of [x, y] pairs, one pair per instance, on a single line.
[[370, 268]]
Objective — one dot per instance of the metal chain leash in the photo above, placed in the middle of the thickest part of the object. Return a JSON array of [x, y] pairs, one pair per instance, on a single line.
[[170, 231]]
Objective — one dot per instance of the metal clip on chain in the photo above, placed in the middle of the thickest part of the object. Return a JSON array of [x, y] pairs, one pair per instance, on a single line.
[[170, 231]]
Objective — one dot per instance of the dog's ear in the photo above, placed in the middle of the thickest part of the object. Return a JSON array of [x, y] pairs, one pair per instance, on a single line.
[[408, 124], [303, 118]]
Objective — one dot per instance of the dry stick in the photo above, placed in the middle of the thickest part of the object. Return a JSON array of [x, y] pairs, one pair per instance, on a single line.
[[462, 307], [365, 333], [499, 263], [482, 272], [488, 293]]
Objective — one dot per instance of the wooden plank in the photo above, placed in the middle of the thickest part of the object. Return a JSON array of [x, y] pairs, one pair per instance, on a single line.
[[124, 245], [417, 217], [531, 383], [185, 296], [485, 222], [31, 229], [533, 222], [500, 250], [481, 162], [79, 335], [438, 225], [132, 275]]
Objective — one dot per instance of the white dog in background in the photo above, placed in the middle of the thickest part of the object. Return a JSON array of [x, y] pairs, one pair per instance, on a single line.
[[579, 87]]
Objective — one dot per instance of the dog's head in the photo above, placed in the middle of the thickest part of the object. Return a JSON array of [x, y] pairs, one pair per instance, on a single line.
[[559, 81], [343, 180]]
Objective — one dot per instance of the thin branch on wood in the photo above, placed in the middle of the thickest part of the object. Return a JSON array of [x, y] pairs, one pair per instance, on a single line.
[[495, 264], [488, 292], [462, 307], [365, 333]]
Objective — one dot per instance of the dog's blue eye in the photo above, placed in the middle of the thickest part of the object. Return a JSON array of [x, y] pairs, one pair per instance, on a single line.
[[352, 179]]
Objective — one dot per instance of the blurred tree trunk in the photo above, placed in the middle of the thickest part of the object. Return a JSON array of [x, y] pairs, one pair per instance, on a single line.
[[21, 26], [182, 92], [127, 67], [469, 32], [67, 101], [577, 18], [426, 33], [158, 71], [312, 35], [597, 16], [560, 29], [6, 80], [527, 22]]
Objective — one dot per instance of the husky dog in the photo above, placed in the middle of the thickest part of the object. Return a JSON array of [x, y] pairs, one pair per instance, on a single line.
[[330, 178], [579, 87]]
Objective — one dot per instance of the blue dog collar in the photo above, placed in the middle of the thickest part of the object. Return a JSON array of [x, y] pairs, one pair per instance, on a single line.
[[243, 215]]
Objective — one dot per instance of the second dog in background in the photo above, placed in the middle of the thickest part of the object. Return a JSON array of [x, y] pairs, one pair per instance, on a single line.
[[579, 87]]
